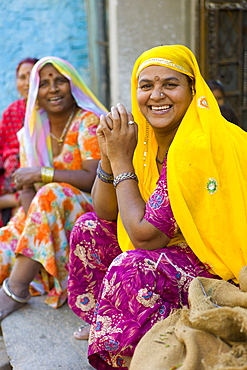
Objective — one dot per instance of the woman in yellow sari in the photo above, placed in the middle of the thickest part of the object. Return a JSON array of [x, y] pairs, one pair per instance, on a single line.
[[181, 214]]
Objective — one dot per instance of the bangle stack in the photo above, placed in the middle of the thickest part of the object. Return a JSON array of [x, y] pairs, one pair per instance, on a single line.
[[124, 176], [104, 176], [47, 174]]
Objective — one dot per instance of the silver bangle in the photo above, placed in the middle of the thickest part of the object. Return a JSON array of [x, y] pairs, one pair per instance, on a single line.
[[124, 176], [9, 293]]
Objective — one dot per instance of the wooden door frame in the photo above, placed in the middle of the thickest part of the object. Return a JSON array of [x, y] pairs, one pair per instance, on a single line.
[[210, 60]]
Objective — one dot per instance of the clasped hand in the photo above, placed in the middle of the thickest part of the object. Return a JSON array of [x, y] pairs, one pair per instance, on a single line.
[[117, 139], [26, 176]]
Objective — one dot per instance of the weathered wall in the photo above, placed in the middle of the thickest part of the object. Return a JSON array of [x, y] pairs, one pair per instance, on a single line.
[[38, 28], [138, 25]]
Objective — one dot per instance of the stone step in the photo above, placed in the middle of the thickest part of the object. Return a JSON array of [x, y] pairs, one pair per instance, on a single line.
[[4, 360], [39, 337]]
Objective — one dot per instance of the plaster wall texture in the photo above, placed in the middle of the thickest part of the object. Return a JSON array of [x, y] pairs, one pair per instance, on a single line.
[[141, 25], [31, 28]]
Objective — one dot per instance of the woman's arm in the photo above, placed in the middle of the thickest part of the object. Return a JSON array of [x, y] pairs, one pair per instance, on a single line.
[[26, 177], [81, 179], [104, 196], [120, 143], [142, 233], [103, 193], [26, 195]]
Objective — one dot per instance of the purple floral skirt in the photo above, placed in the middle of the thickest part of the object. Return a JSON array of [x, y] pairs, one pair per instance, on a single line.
[[122, 295]]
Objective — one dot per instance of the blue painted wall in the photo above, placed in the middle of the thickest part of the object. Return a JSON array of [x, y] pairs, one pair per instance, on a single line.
[[38, 28]]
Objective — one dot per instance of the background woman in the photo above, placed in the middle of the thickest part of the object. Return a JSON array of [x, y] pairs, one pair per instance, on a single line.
[[220, 95], [180, 197], [59, 156], [11, 122]]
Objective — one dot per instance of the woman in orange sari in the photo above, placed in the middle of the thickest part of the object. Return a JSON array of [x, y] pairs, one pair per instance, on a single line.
[[59, 156]]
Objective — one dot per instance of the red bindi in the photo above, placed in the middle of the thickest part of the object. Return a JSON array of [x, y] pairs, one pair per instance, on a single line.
[[156, 78], [50, 74]]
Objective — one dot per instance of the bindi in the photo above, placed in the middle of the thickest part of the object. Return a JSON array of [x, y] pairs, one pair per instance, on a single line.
[[156, 78], [50, 74]]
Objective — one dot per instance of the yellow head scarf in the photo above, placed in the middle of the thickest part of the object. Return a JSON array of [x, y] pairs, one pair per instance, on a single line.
[[206, 169]]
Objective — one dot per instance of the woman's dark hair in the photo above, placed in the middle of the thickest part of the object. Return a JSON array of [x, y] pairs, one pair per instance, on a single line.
[[216, 85], [26, 60]]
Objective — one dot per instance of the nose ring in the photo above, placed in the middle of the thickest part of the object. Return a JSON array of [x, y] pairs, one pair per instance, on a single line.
[[162, 94]]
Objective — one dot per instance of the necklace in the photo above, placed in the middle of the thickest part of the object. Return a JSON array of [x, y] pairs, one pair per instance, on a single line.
[[146, 147], [60, 140], [158, 160]]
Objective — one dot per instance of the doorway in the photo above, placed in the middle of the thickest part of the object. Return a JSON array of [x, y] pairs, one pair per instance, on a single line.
[[223, 50]]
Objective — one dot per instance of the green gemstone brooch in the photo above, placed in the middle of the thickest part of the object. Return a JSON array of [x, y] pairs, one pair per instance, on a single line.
[[212, 186]]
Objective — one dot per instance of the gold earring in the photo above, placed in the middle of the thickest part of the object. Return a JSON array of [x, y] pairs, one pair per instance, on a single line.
[[37, 105], [193, 90]]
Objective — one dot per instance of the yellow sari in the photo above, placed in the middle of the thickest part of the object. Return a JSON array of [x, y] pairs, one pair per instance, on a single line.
[[206, 169]]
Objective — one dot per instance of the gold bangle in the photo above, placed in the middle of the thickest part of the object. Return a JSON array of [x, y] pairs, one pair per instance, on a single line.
[[47, 174]]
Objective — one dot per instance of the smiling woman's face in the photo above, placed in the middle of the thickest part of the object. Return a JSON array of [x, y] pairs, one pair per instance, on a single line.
[[163, 96], [22, 78], [54, 94]]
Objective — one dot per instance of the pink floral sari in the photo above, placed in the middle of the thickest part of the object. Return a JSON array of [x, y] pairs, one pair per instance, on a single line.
[[122, 295]]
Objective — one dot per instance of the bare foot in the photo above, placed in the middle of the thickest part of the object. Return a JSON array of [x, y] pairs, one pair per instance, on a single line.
[[7, 305], [82, 333]]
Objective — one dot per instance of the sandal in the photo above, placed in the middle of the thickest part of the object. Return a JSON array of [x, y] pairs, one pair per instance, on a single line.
[[83, 332]]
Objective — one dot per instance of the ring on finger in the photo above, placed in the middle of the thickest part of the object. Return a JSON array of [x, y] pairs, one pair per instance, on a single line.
[[131, 123]]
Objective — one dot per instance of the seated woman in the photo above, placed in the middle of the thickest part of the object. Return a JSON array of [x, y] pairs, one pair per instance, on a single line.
[[11, 122], [179, 196], [59, 156]]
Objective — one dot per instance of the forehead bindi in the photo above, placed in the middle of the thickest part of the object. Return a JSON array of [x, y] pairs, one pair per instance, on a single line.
[[48, 71]]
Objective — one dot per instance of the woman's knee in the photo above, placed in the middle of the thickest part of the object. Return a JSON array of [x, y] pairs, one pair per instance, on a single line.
[[82, 223], [127, 259]]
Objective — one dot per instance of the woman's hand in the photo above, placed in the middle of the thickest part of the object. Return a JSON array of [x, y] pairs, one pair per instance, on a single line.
[[117, 142], [26, 176], [118, 138], [100, 134]]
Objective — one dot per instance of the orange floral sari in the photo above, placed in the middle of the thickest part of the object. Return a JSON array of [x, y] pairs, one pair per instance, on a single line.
[[43, 234]]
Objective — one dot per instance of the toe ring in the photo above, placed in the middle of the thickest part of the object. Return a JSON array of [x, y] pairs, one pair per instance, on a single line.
[[82, 327]]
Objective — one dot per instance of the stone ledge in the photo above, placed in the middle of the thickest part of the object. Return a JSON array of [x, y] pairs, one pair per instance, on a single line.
[[39, 337], [4, 360]]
